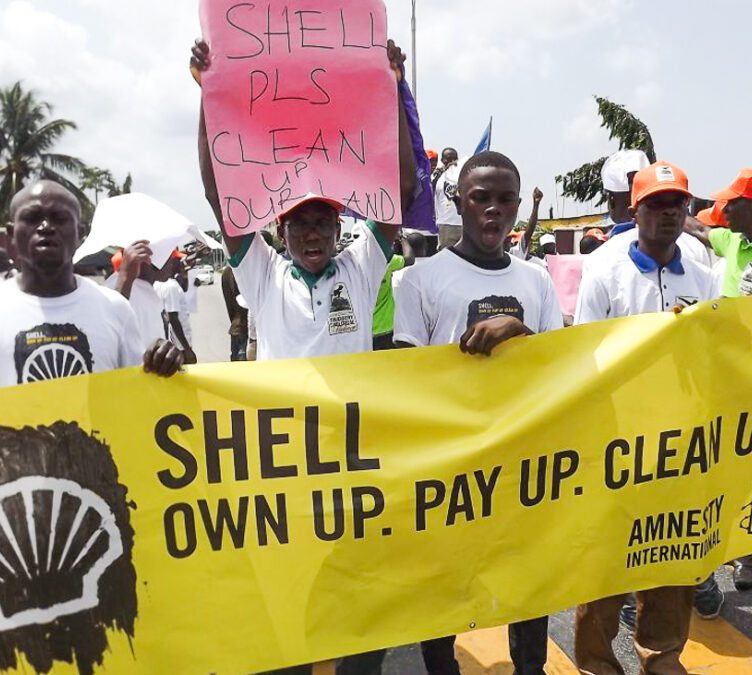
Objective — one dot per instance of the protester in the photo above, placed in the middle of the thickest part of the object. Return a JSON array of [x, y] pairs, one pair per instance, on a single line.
[[134, 279], [476, 295], [547, 244], [55, 323], [173, 293], [734, 243], [617, 174], [238, 316], [521, 247], [433, 159], [445, 191], [593, 239], [651, 276], [313, 303]]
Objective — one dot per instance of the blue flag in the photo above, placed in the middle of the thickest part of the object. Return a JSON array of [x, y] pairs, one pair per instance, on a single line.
[[485, 141]]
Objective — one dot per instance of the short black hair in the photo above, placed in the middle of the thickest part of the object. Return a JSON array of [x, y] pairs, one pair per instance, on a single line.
[[488, 158], [447, 149]]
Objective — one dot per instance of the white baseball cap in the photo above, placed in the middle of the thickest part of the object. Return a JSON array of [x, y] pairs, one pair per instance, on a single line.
[[547, 239], [616, 169]]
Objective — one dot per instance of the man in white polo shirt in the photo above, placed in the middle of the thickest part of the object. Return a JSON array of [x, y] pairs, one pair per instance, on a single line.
[[312, 302], [652, 275], [476, 295]]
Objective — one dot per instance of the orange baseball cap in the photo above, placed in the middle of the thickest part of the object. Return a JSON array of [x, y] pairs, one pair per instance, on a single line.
[[656, 178], [741, 187], [714, 216], [311, 197], [516, 237], [596, 233], [432, 154]]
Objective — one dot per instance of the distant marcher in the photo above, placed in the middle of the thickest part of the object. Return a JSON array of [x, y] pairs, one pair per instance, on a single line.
[[175, 307], [593, 239], [445, 191], [547, 244], [134, 279], [238, 316]]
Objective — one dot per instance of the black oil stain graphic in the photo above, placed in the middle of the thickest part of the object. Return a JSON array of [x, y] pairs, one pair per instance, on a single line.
[[62, 451]]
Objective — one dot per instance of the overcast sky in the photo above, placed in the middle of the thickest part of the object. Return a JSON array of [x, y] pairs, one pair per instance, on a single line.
[[119, 69]]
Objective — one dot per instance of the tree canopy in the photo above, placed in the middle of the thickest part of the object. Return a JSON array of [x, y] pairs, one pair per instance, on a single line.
[[584, 183]]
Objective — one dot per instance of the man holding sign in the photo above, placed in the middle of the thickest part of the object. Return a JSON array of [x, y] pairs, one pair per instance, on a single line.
[[313, 303]]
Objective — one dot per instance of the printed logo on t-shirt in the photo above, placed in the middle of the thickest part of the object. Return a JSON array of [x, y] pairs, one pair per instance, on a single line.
[[50, 351], [686, 300], [341, 315], [494, 305]]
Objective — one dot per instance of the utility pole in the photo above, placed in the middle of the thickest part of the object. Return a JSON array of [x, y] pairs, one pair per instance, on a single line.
[[415, 54]]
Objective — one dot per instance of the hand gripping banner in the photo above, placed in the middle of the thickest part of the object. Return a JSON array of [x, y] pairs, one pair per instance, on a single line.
[[244, 517]]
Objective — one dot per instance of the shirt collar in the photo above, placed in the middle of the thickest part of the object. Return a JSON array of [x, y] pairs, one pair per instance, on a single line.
[[646, 264], [622, 227], [311, 279]]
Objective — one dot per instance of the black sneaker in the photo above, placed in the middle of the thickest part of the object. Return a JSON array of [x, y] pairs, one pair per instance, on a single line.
[[742, 575], [708, 599]]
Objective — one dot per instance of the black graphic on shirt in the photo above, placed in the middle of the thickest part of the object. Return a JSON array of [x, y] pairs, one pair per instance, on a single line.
[[341, 314], [50, 351], [494, 305], [66, 571], [686, 300]]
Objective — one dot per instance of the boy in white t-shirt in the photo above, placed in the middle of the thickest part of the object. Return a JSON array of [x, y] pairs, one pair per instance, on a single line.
[[477, 295], [53, 323]]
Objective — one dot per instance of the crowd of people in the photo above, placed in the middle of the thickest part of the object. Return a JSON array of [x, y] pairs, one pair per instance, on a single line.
[[302, 290]]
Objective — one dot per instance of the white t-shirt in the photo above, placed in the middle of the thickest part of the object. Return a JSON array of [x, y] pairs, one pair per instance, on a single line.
[[616, 246], [333, 316], [616, 287], [174, 299], [91, 330], [148, 307], [438, 301], [446, 190]]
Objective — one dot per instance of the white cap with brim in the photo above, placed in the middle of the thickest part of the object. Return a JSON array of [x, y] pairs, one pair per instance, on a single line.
[[311, 197], [547, 239], [616, 169]]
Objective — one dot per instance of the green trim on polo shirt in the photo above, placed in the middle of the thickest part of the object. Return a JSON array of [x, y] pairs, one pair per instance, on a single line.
[[386, 246], [311, 279], [237, 257]]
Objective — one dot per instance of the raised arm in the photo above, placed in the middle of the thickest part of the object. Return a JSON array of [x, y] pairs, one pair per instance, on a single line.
[[408, 169], [200, 61], [532, 224]]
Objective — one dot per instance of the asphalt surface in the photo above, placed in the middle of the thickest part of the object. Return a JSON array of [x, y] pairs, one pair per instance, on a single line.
[[212, 344]]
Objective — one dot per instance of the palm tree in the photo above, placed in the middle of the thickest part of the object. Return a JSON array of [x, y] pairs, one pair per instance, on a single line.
[[584, 184], [27, 140]]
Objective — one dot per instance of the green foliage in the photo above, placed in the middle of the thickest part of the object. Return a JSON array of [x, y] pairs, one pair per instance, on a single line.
[[584, 183], [27, 141]]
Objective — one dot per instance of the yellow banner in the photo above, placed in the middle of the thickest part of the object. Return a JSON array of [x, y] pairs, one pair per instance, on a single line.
[[243, 517]]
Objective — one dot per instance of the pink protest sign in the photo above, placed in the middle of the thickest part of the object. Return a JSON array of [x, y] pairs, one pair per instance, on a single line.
[[299, 99], [566, 272]]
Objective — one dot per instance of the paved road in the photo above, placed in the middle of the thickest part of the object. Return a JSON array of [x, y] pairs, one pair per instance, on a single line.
[[721, 647]]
